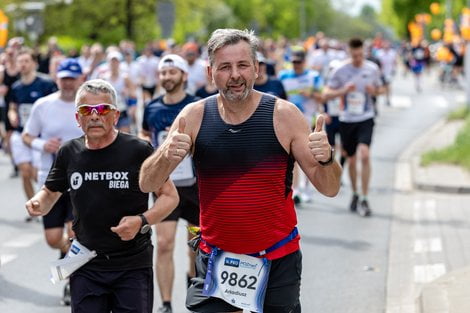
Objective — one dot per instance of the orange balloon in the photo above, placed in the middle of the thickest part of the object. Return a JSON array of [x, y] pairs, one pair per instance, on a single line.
[[435, 8], [3, 29]]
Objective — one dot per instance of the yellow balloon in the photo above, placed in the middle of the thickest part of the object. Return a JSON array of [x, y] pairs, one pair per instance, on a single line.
[[436, 34]]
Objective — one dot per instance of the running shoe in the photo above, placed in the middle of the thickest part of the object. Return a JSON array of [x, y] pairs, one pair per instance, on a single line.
[[353, 205], [364, 209], [164, 309]]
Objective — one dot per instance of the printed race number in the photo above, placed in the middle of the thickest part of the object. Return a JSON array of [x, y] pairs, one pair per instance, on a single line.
[[243, 282]]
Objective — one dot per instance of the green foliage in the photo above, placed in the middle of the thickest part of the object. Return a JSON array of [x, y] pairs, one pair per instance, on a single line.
[[110, 21], [398, 13], [458, 153], [459, 114]]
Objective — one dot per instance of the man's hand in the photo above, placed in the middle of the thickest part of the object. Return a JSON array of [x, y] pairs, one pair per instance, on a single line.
[[371, 90], [52, 145], [349, 87], [318, 142], [33, 208], [179, 143], [128, 227]]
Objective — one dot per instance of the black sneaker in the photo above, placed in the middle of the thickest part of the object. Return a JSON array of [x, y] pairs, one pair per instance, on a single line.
[[364, 209], [67, 297], [164, 309], [353, 205]]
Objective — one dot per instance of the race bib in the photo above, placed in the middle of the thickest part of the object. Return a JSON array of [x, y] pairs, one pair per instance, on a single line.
[[24, 111], [334, 107], [238, 279], [184, 170], [355, 103]]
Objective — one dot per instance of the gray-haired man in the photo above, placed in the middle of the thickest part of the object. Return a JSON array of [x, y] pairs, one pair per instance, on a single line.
[[111, 216]]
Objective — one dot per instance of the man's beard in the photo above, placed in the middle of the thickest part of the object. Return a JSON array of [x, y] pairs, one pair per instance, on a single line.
[[231, 96], [170, 85]]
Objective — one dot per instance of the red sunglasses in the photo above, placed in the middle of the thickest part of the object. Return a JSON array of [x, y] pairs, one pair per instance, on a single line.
[[100, 109]]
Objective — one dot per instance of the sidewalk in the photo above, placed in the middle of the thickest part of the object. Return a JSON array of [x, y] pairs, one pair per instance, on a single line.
[[449, 293]]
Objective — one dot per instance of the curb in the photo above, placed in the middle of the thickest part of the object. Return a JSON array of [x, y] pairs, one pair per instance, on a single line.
[[448, 293], [419, 147]]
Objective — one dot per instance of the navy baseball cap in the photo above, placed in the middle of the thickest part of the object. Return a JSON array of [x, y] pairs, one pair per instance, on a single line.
[[69, 68]]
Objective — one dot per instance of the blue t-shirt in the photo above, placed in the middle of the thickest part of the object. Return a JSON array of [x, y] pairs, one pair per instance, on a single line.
[[273, 87], [158, 116], [25, 95]]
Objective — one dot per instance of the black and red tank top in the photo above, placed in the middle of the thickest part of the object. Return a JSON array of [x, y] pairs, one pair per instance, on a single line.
[[245, 183]]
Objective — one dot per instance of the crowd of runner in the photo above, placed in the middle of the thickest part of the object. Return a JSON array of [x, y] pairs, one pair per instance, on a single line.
[[342, 81]]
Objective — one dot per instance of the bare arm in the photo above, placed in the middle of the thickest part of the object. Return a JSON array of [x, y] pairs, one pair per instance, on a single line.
[[51, 145], [307, 148], [167, 200], [41, 203]]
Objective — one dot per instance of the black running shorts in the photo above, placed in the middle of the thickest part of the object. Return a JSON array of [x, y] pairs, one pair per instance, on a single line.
[[188, 208], [352, 134]]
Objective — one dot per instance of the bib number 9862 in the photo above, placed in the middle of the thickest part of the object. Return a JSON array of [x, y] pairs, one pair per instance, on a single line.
[[243, 282]]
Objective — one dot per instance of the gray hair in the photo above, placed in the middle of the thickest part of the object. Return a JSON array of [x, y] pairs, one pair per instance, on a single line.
[[227, 36], [96, 87]]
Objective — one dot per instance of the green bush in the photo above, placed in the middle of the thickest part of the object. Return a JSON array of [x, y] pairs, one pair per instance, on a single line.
[[458, 153]]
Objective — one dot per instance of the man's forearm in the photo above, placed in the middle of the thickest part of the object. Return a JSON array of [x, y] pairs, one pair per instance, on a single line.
[[155, 171], [327, 179]]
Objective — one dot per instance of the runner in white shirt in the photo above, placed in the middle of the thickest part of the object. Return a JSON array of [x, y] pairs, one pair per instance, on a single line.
[[388, 60], [148, 67], [355, 82], [197, 68], [51, 123]]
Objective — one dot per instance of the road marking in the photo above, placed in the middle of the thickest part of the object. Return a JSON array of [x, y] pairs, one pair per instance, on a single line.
[[428, 245], [427, 273], [401, 102], [440, 101], [23, 241], [6, 258]]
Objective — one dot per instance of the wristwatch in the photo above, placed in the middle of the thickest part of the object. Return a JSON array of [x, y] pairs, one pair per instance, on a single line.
[[145, 224], [331, 159]]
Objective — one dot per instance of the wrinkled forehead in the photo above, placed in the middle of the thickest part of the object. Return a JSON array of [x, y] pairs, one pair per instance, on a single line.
[[233, 53]]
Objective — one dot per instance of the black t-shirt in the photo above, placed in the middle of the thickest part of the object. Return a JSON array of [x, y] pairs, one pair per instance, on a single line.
[[104, 187]]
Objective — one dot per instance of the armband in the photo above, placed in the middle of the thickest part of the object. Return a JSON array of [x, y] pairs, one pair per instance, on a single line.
[[38, 144]]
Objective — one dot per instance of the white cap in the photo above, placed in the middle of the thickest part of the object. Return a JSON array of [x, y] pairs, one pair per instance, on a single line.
[[114, 55], [260, 57], [173, 60]]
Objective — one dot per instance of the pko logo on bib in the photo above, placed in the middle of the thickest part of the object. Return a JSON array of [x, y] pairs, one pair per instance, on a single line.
[[76, 180], [231, 262]]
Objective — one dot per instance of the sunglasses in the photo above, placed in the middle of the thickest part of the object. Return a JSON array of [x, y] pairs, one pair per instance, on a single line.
[[100, 109]]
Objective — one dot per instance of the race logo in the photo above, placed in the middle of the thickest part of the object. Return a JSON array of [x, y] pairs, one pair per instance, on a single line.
[[76, 180]]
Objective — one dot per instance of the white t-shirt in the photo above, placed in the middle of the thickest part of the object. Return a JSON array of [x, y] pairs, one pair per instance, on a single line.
[[358, 104], [197, 76], [51, 117], [148, 68], [387, 59]]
